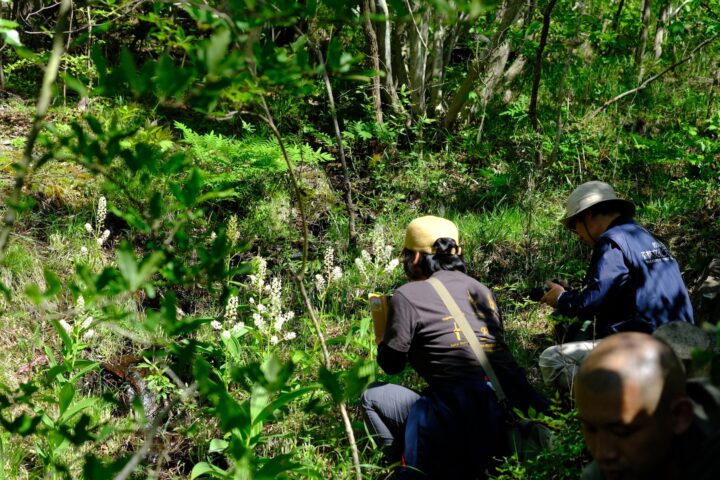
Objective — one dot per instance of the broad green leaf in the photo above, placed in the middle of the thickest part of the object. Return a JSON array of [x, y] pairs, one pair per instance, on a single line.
[[67, 392], [137, 274], [62, 333], [76, 408], [204, 468], [275, 466], [217, 445], [281, 401], [216, 49]]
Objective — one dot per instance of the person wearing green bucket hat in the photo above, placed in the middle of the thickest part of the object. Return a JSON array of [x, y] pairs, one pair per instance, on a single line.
[[633, 283]]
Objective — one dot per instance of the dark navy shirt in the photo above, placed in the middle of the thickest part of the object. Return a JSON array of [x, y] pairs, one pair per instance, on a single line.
[[633, 283]]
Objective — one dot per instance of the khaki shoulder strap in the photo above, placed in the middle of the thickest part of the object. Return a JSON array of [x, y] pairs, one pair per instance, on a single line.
[[467, 330]]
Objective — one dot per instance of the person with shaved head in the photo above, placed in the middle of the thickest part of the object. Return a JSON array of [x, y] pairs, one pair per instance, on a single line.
[[640, 418]]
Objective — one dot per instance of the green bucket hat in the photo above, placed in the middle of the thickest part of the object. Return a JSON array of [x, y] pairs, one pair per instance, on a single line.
[[593, 193]]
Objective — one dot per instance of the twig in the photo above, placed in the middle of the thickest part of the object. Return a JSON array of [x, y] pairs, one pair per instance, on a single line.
[[648, 81], [41, 110], [298, 276], [417, 29], [338, 138]]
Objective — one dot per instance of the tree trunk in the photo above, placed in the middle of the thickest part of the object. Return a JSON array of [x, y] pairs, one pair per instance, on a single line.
[[642, 41], [494, 74], [618, 13], [385, 33], [417, 35], [506, 17], [661, 30], [532, 109], [372, 42], [437, 68], [561, 85]]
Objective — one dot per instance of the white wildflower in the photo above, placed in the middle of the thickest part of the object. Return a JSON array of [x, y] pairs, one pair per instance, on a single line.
[[361, 266], [378, 240], [274, 340], [336, 274], [216, 325], [213, 236], [259, 322], [275, 296], [251, 301], [233, 233], [366, 256], [290, 336], [86, 323], [320, 283], [226, 334], [101, 213], [261, 308], [66, 326], [83, 250], [80, 305], [237, 328], [88, 228], [392, 265], [387, 253], [231, 308]]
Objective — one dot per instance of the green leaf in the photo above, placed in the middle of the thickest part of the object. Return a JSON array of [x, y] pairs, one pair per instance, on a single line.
[[204, 468], [62, 333], [75, 84], [217, 445], [216, 49], [76, 408], [67, 392], [11, 37], [330, 382], [281, 401], [137, 274], [275, 466]]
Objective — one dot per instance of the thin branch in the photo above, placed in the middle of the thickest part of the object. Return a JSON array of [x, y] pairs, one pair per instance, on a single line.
[[647, 82], [417, 29], [43, 104], [338, 138]]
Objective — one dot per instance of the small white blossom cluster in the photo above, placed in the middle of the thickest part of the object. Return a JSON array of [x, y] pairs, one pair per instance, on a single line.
[[101, 236], [268, 316], [83, 321], [230, 319], [331, 272], [367, 265], [233, 232], [257, 281], [380, 261]]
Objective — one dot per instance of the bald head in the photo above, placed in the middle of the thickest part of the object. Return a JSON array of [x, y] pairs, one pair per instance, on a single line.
[[630, 396], [634, 360]]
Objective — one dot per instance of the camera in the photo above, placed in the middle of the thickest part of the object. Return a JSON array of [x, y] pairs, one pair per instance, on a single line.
[[537, 293]]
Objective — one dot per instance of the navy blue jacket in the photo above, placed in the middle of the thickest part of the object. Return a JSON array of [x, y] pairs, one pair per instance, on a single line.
[[633, 284]]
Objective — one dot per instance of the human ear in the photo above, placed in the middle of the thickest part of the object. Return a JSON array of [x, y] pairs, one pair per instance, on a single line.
[[416, 259], [682, 415]]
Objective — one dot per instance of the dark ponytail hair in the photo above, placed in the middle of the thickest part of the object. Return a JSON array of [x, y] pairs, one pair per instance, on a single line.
[[446, 257]]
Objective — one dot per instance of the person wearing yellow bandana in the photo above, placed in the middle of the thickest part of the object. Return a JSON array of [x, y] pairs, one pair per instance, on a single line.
[[454, 428]]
